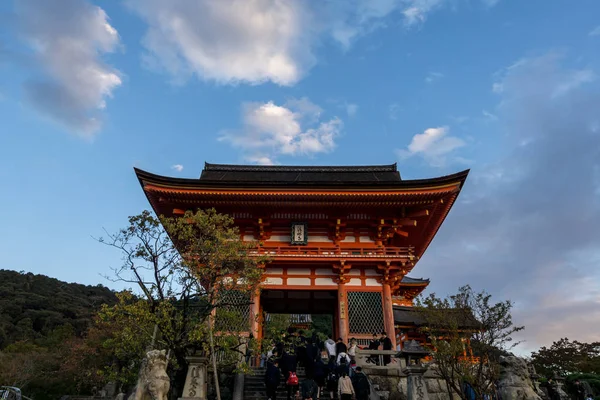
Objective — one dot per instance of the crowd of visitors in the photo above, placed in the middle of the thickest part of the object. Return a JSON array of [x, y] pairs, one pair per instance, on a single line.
[[330, 366]]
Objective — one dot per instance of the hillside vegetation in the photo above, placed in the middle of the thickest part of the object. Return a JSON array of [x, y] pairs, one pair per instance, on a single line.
[[33, 306]]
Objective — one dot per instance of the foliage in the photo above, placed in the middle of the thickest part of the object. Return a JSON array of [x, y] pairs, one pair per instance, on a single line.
[[35, 365], [566, 357], [323, 324], [114, 346], [273, 328], [468, 319], [32, 306], [184, 267], [593, 380], [40, 319]]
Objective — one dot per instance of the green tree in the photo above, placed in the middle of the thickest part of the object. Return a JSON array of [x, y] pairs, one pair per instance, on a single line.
[[35, 365], [463, 322], [184, 267], [219, 261], [567, 357]]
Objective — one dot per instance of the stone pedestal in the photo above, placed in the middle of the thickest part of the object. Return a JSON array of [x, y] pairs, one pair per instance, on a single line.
[[560, 384], [196, 380], [417, 389]]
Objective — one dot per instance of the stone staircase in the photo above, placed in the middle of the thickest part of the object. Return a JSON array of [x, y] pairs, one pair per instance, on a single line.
[[254, 387]]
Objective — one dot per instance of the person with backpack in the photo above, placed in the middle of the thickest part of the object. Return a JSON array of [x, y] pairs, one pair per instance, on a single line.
[[289, 362], [343, 357], [361, 385], [309, 389], [320, 375], [272, 379], [292, 385], [345, 388], [332, 379], [343, 367]]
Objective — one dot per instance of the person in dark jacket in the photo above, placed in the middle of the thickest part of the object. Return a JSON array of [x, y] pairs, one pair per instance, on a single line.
[[309, 389], [340, 347], [289, 361], [310, 357], [361, 385], [301, 347], [332, 379], [272, 379], [342, 368], [552, 389], [387, 345], [320, 373], [374, 345], [579, 390]]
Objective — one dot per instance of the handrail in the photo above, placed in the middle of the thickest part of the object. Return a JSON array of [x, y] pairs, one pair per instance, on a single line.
[[330, 251]]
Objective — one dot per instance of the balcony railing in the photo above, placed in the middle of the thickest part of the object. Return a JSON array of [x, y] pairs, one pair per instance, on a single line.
[[333, 252]]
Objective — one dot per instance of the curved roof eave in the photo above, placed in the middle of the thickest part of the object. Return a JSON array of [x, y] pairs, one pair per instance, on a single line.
[[189, 183]]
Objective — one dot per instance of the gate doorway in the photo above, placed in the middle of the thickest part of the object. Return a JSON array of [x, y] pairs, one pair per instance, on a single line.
[[302, 309]]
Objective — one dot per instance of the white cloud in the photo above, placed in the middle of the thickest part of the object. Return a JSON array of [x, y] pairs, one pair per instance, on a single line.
[[229, 41], [257, 41], [573, 80], [261, 160], [351, 109], [177, 167], [488, 115], [394, 111], [595, 31], [433, 145], [531, 215], [433, 76], [292, 129], [68, 38], [416, 11], [490, 3]]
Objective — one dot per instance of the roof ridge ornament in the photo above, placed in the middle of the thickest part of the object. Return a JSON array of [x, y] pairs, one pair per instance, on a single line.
[[301, 168]]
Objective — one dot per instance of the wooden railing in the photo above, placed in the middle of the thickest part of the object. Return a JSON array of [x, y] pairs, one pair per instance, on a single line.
[[333, 252]]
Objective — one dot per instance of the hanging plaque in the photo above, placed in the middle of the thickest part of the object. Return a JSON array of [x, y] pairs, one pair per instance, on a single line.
[[299, 234]]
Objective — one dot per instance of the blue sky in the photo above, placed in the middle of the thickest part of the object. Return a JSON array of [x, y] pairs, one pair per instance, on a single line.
[[507, 88]]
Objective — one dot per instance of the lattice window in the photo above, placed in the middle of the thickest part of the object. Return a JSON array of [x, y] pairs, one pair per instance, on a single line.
[[234, 317], [365, 312]]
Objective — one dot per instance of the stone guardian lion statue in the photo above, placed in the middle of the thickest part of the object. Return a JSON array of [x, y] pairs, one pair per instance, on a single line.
[[153, 381], [515, 382]]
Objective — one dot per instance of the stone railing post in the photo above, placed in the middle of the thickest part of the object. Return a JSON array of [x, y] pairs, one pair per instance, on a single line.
[[417, 389], [196, 380]]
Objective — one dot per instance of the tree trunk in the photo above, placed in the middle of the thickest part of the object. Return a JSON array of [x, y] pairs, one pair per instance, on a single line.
[[213, 356]]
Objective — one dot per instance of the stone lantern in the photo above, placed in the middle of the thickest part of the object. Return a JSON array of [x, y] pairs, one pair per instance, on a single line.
[[414, 353]]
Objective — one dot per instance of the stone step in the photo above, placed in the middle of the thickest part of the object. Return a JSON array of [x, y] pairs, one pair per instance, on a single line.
[[279, 397]]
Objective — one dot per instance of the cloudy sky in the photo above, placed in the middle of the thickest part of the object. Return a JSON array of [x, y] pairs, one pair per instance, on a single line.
[[507, 88]]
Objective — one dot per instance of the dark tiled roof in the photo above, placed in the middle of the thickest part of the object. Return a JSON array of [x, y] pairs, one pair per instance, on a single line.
[[407, 279], [300, 174], [406, 315]]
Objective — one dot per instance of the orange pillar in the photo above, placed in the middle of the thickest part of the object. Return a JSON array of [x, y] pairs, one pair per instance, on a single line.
[[342, 314], [388, 314]]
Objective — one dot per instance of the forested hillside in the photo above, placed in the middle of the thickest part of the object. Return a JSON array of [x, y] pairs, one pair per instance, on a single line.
[[31, 306]]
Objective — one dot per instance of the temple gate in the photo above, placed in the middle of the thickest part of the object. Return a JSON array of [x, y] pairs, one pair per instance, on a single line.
[[341, 240]]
